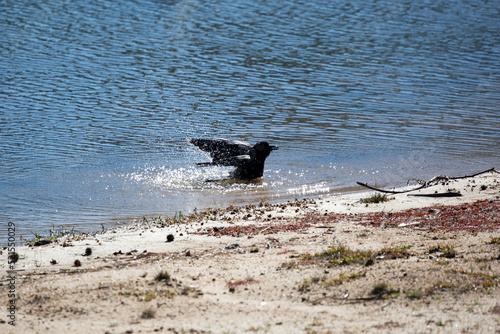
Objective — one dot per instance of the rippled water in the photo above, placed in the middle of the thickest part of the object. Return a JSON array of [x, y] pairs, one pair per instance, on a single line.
[[97, 99]]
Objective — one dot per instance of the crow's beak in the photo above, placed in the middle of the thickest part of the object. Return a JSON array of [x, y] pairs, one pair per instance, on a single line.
[[272, 147]]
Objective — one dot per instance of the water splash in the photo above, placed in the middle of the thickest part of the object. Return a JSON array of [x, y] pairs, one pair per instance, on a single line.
[[168, 178]]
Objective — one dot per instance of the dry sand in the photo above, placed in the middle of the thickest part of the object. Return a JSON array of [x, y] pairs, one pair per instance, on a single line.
[[421, 271]]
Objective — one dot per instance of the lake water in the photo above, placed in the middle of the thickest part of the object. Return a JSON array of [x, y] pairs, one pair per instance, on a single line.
[[98, 98]]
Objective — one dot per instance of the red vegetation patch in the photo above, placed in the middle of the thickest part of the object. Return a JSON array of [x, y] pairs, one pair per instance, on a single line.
[[474, 217]]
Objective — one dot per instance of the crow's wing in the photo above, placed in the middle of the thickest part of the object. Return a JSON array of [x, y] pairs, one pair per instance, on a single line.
[[235, 161], [223, 151]]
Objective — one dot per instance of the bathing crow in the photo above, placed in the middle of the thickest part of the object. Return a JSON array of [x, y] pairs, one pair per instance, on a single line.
[[248, 160]]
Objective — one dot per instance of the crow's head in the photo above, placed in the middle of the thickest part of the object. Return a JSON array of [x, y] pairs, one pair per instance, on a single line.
[[263, 148]]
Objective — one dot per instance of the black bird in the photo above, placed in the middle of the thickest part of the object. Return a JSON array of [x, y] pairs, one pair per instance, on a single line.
[[248, 160]]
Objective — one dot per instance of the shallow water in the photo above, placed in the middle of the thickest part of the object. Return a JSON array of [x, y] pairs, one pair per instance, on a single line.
[[98, 98]]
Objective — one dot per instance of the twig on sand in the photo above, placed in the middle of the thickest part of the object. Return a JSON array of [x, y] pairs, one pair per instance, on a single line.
[[447, 194], [261, 231], [426, 184], [355, 300]]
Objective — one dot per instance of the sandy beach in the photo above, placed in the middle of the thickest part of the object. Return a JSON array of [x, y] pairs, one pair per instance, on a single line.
[[425, 261]]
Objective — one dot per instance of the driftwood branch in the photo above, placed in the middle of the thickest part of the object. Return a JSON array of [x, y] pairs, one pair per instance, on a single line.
[[478, 173], [389, 191], [425, 184]]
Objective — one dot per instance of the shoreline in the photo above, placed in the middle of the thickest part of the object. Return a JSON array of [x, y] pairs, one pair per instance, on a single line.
[[260, 264]]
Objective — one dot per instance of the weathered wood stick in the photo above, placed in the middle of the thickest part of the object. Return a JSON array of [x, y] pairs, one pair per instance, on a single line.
[[427, 184]]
